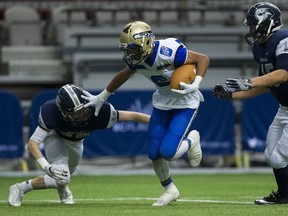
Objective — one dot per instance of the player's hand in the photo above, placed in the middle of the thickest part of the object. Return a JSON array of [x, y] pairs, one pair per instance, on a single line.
[[238, 84], [222, 92], [93, 100], [56, 172], [186, 88]]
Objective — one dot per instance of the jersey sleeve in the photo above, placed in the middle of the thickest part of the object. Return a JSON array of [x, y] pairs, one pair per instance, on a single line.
[[181, 55], [282, 54], [114, 116], [39, 135]]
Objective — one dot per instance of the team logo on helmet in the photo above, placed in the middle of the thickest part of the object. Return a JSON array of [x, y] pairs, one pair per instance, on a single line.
[[143, 34], [262, 14]]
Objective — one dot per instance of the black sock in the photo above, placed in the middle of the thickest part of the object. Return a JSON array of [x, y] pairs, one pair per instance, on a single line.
[[281, 176]]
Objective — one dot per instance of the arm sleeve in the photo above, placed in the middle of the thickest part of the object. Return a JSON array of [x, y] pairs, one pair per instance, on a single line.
[[180, 56], [39, 135]]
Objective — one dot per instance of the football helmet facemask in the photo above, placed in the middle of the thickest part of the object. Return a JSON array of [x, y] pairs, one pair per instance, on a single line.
[[71, 105], [136, 42], [263, 18]]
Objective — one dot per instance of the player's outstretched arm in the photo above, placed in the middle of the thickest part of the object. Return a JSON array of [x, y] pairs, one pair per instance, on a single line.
[[54, 171], [133, 116]]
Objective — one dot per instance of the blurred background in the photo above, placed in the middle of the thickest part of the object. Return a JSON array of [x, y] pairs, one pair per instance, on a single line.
[[45, 44]]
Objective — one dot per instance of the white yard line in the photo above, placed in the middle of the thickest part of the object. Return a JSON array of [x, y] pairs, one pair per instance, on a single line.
[[141, 198]]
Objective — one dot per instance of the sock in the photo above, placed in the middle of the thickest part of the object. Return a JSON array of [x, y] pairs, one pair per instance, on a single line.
[[167, 182], [281, 176], [183, 147], [161, 168], [25, 186]]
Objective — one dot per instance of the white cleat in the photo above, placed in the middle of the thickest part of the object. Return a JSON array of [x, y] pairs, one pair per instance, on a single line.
[[195, 152], [15, 196], [66, 196], [170, 194]]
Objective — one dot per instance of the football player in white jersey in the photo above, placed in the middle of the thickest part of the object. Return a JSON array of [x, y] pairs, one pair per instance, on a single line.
[[270, 50], [170, 134], [63, 125]]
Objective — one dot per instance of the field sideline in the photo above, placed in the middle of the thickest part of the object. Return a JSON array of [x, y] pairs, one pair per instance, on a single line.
[[212, 193]]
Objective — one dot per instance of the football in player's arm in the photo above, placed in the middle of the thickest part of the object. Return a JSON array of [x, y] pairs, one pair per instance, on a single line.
[[170, 132]]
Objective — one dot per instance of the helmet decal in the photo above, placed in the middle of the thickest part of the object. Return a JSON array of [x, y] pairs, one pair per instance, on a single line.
[[71, 105], [263, 18], [136, 42], [262, 14], [72, 95]]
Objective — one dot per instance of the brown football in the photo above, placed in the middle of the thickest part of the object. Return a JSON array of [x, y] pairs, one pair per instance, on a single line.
[[184, 73]]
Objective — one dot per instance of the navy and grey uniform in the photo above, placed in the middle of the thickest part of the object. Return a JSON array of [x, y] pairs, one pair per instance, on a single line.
[[271, 56], [63, 143]]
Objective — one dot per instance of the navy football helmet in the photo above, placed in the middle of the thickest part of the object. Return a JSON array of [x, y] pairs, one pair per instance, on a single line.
[[263, 18], [71, 105]]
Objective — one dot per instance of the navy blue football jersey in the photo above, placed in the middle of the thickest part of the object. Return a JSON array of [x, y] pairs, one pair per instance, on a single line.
[[50, 118], [271, 56]]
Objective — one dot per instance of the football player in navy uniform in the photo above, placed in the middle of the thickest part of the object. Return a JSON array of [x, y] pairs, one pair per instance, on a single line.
[[270, 49], [63, 125], [173, 110]]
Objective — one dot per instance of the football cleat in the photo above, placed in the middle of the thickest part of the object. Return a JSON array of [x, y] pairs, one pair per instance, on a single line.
[[66, 196], [15, 196], [273, 198], [195, 152], [170, 194]]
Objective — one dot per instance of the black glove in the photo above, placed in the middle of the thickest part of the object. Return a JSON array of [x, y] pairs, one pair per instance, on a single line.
[[238, 84], [222, 92]]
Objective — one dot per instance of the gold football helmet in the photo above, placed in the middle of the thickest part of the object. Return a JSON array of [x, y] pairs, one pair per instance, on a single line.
[[136, 41]]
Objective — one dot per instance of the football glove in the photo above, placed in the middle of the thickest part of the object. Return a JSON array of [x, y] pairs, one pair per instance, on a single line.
[[56, 172], [222, 92], [97, 100], [238, 84], [189, 88]]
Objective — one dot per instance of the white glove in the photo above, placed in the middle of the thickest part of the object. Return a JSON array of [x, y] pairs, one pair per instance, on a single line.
[[97, 100], [54, 171], [189, 88]]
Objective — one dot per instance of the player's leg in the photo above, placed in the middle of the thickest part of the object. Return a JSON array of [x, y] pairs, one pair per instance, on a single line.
[[170, 192], [56, 153], [276, 154], [174, 143], [159, 122], [75, 155]]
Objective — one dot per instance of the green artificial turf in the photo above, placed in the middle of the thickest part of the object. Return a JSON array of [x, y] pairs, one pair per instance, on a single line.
[[201, 194]]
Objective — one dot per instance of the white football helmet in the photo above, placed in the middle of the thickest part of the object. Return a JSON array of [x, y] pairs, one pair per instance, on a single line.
[[136, 41]]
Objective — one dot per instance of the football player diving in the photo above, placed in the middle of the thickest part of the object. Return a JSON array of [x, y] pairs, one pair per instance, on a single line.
[[270, 50], [63, 124], [169, 132]]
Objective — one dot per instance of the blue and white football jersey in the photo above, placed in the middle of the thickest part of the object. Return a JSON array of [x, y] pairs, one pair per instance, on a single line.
[[167, 55], [271, 56]]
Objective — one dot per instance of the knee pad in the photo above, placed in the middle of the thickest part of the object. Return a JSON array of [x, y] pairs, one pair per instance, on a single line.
[[275, 159]]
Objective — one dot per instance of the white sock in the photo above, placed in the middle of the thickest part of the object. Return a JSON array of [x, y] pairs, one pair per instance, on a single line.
[[183, 147], [25, 186]]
